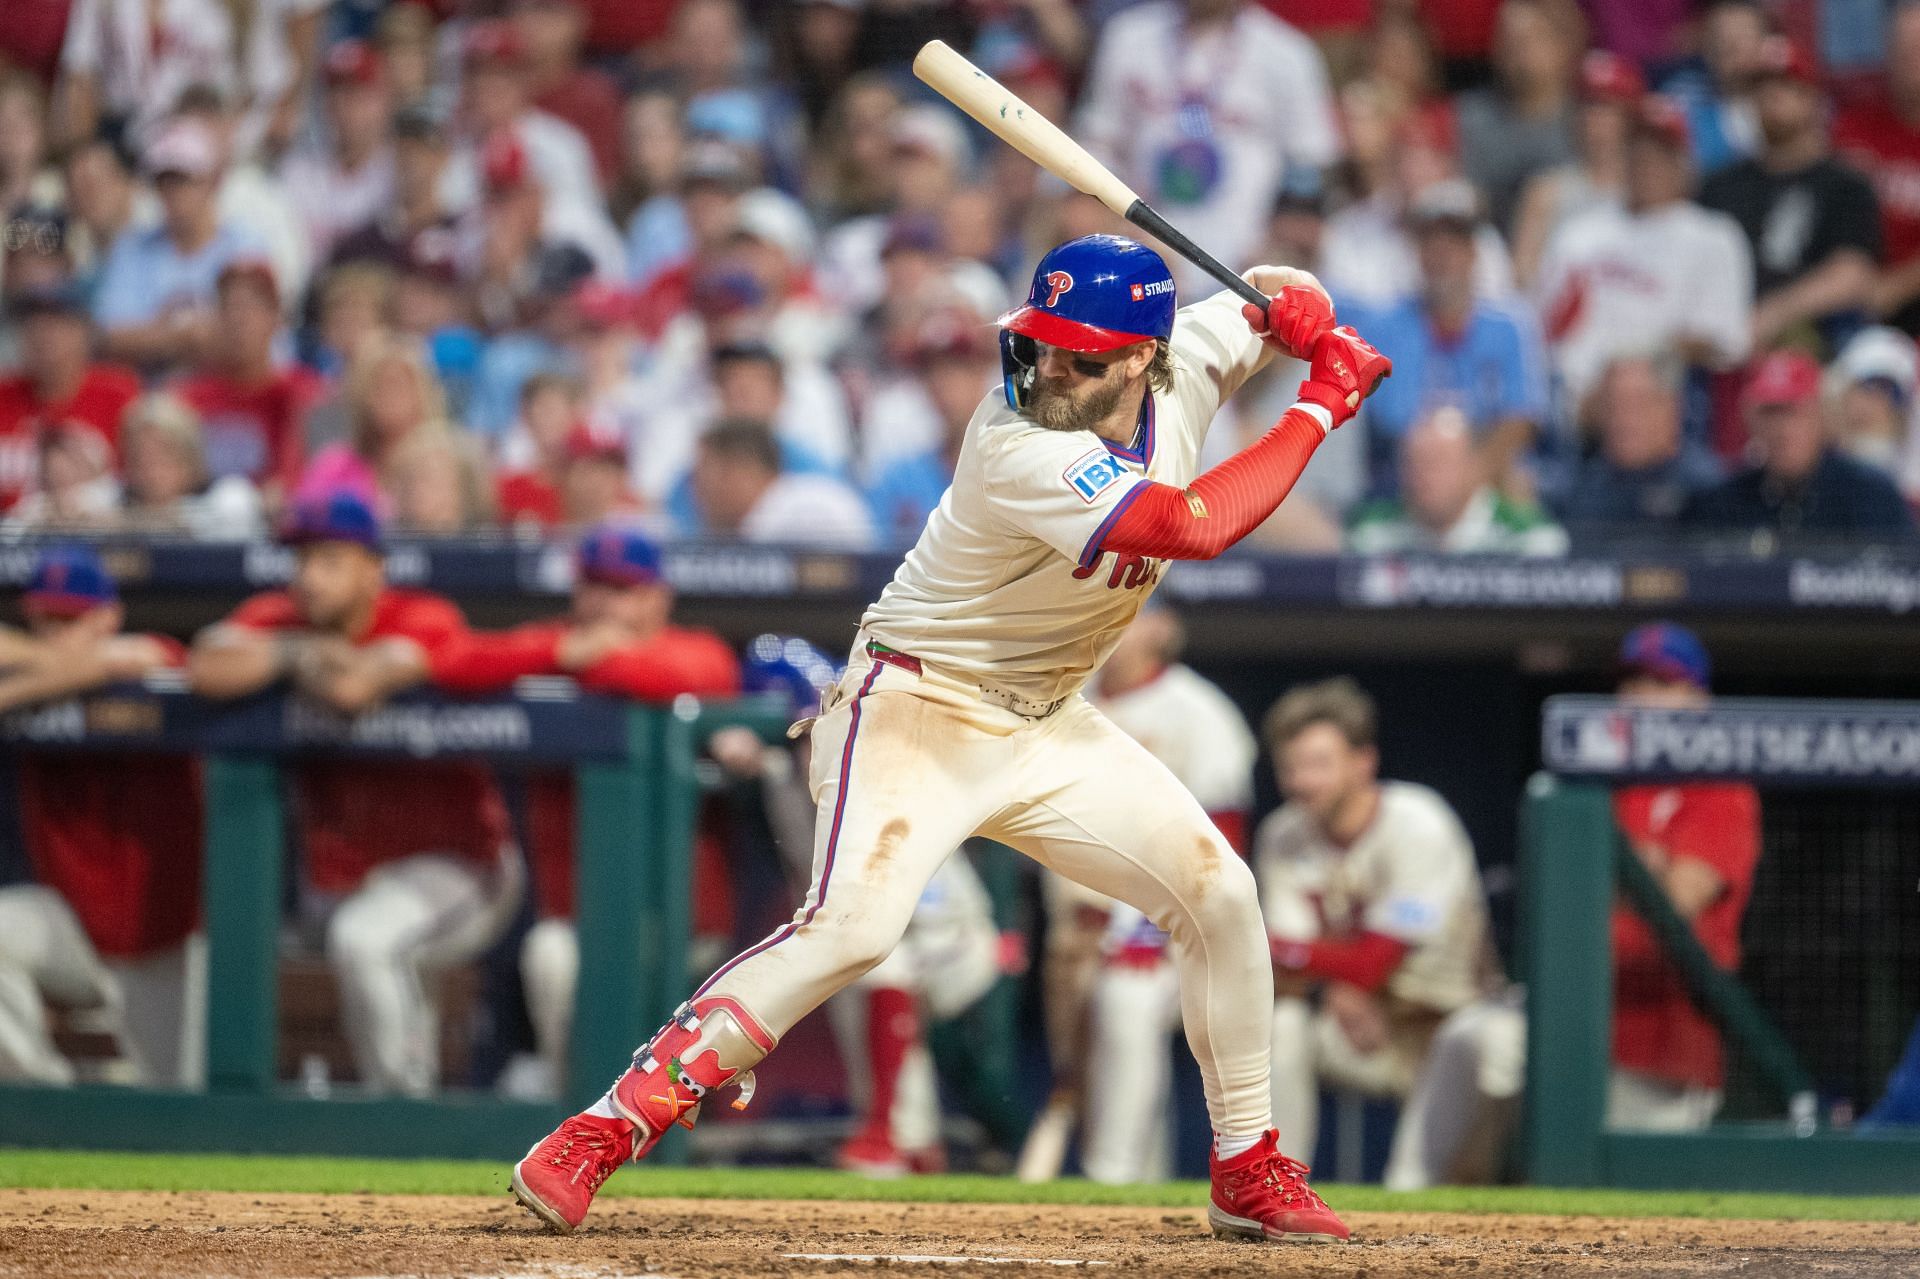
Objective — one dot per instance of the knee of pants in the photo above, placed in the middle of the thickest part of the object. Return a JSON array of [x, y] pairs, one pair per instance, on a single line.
[[550, 954], [857, 929], [358, 938], [1497, 1037], [1220, 900]]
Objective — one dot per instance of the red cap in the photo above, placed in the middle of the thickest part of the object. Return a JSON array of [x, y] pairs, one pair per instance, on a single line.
[[494, 41], [1608, 77], [1780, 56], [1664, 118], [503, 162], [353, 62], [1782, 378], [604, 306], [583, 442]]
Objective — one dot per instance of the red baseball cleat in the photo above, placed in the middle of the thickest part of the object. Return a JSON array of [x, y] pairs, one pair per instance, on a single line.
[[559, 1177], [1262, 1194]]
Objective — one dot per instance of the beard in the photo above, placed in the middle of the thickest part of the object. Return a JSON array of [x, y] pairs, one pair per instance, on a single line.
[[1059, 409]]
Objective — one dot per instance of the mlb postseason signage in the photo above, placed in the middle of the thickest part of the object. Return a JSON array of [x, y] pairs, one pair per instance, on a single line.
[[546, 722], [1752, 739]]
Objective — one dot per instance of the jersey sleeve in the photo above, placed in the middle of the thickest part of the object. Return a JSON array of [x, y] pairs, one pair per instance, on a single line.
[[269, 611], [1720, 826], [1217, 752], [430, 621], [1417, 895], [674, 664], [1284, 902], [1063, 487], [482, 661], [1214, 353]]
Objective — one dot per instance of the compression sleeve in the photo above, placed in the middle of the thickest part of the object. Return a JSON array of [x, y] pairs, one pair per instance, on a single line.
[[1225, 504]]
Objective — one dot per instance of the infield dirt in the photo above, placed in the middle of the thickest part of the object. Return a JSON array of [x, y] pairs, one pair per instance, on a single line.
[[66, 1234]]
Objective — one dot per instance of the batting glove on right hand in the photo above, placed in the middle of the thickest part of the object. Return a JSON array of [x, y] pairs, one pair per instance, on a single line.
[[1295, 318], [1345, 371]]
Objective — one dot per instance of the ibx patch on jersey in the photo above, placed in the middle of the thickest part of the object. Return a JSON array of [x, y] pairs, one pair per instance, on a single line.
[[1094, 474]]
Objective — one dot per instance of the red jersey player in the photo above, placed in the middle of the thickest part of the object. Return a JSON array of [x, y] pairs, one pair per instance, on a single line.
[[618, 640], [410, 864], [117, 838]]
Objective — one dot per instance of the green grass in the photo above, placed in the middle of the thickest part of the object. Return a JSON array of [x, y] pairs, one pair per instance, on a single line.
[[81, 1170]]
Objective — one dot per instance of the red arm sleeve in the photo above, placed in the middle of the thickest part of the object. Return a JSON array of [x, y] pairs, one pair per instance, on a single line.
[[1366, 960], [484, 661], [671, 665], [1223, 505]]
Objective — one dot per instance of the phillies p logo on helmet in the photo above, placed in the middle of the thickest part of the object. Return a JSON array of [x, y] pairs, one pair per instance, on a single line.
[[1060, 282]]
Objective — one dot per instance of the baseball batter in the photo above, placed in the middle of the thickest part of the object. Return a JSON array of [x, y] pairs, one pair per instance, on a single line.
[[960, 712]]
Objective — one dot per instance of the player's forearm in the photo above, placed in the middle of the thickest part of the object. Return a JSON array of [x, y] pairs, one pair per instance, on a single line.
[[1223, 505], [225, 664], [1843, 282], [658, 676], [69, 673], [482, 663]]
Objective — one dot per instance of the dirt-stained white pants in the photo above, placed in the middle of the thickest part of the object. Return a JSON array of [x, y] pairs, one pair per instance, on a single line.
[[906, 766]]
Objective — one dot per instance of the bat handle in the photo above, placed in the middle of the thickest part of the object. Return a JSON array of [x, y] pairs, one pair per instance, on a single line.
[[1142, 215]]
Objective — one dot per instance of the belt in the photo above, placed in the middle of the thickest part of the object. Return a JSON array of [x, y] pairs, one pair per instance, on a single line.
[[1025, 706]]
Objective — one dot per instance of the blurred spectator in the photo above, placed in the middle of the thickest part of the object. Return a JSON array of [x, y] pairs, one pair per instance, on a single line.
[[126, 63], [279, 58], [251, 196], [59, 385], [853, 150], [1874, 383], [352, 308], [528, 489], [252, 406], [120, 844], [404, 35], [30, 39], [619, 638], [593, 486], [76, 486], [1881, 138], [645, 200], [1367, 253], [820, 39], [1447, 505], [402, 890], [1802, 484], [520, 242], [551, 32], [1402, 67], [958, 362], [1180, 99], [25, 177], [1524, 122], [439, 484], [1718, 93], [495, 103], [390, 393], [1645, 472], [103, 200], [740, 491], [156, 292], [37, 252], [1812, 222], [1596, 179], [675, 231], [428, 304], [412, 221], [930, 159], [1450, 346], [347, 179], [1659, 272], [1370, 894], [169, 488]]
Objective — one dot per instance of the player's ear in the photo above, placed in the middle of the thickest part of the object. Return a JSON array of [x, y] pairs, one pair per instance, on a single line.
[[1139, 356]]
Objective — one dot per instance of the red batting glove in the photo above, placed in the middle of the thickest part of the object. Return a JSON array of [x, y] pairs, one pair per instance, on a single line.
[[1295, 317], [1344, 372]]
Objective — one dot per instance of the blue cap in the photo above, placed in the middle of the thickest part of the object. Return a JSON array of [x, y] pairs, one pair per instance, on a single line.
[[68, 581], [616, 556], [1097, 293], [788, 665], [339, 516], [1668, 651]]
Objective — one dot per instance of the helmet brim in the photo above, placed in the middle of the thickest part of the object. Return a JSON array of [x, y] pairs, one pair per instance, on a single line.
[[1068, 335]]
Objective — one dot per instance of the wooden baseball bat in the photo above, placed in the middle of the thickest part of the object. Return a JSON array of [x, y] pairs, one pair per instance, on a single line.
[[1040, 140]]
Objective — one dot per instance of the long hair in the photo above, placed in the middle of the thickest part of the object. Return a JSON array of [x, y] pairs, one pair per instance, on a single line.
[[374, 354]]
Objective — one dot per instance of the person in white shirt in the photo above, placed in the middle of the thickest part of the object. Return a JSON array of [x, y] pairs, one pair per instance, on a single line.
[[1371, 895], [1182, 101], [494, 99], [1662, 271], [252, 196], [348, 181], [130, 60], [741, 490]]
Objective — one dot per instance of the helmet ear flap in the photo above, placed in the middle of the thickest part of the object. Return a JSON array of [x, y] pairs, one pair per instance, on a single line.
[[1019, 354]]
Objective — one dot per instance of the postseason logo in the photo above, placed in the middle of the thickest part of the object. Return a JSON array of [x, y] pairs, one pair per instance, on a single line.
[[1094, 474], [1841, 743]]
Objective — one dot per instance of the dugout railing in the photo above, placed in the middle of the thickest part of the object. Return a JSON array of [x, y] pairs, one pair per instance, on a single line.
[[637, 797], [1574, 866]]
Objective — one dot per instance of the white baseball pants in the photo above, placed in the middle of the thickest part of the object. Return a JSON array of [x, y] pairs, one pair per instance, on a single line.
[[907, 765], [1129, 1107]]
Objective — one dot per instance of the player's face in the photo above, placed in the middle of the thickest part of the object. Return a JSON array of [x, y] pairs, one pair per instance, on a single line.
[[76, 628], [334, 582], [640, 609], [1321, 770], [1074, 391], [1647, 689]]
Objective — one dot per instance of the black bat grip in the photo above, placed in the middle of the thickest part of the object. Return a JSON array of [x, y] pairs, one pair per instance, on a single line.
[[1142, 215]]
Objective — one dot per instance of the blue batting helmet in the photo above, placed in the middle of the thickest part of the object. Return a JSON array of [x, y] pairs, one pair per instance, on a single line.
[[1095, 293], [790, 666]]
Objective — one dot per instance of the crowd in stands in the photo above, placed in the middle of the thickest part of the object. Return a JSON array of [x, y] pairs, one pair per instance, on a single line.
[[725, 269]]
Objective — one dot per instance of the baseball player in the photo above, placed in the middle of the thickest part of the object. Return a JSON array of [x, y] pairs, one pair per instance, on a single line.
[[947, 959], [1371, 894], [619, 639], [409, 866], [115, 845], [960, 712], [1193, 728]]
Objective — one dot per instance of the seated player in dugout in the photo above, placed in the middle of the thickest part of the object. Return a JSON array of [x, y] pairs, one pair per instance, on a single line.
[[1373, 902], [409, 868], [110, 926], [617, 638]]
